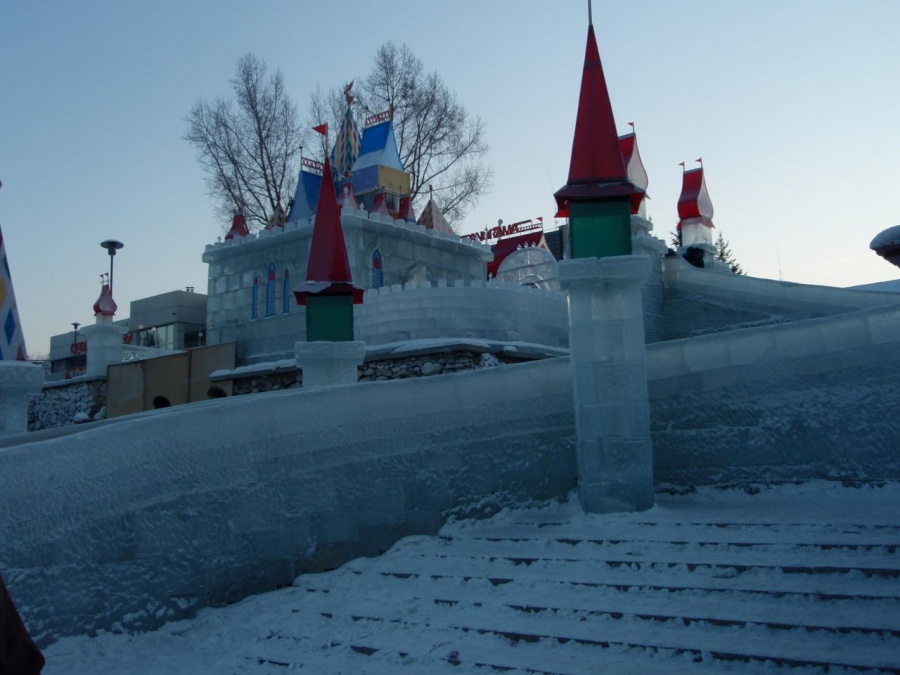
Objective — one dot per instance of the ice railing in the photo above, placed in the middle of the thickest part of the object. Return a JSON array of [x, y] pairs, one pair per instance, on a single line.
[[307, 223]]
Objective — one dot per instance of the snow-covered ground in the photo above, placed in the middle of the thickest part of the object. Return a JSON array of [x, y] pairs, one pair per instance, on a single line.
[[794, 577]]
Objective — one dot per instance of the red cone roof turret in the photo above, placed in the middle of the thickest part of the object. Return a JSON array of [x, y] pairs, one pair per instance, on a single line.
[[407, 213], [381, 207], [432, 217], [328, 272], [238, 226]]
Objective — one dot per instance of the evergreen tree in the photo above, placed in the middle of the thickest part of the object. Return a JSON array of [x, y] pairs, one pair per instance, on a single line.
[[724, 254], [675, 239]]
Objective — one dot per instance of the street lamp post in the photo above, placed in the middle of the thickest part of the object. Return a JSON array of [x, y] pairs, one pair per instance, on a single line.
[[111, 246]]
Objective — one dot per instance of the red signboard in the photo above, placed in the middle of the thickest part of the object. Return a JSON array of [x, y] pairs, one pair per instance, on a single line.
[[501, 231], [312, 164]]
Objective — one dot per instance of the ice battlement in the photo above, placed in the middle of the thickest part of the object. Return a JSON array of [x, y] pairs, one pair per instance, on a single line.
[[351, 218]]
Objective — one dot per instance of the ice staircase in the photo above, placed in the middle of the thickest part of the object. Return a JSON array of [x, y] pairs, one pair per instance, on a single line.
[[538, 596], [791, 579]]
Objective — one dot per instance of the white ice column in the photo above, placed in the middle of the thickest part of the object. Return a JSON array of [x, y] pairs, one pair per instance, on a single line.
[[328, 363], [104, 347], [18, 379], [609, 373]]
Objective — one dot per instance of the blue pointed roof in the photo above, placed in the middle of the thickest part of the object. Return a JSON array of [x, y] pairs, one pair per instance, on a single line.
[[379, 148], [306, 197]]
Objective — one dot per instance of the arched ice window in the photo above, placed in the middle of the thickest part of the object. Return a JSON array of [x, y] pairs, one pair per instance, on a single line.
[[254, 299], [377, 269], [286, 293], [271, 287]]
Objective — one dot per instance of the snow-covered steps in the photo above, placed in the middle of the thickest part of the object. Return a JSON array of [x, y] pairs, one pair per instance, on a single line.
[[818, 606], [799, 579]]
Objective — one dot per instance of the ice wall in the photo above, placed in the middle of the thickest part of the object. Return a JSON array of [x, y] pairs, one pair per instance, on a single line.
[[699, 301], [422, 311], [492, 311], [410, 254], [141, 519], [817, 398]]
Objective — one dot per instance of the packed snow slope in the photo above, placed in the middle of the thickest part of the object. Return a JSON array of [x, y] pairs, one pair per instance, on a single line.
[[800, 578]]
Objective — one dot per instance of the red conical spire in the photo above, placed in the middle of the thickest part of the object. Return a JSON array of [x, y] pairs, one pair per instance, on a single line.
[[328, 271], [596, 170], [595, 147], [328, 259]]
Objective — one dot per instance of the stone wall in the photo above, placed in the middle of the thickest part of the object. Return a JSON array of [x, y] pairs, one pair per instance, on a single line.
[[377, 370], [67, 403]]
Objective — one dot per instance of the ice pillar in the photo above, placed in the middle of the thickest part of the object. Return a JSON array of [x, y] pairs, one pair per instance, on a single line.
[[329, 363], [18, 379], [609, 373], [104, 347]]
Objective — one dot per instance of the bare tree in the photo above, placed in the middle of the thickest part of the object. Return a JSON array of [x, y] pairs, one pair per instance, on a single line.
[[440, 143], [248, 145]]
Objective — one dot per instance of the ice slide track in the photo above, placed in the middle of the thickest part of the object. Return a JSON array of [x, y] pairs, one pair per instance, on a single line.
[[742, 597]]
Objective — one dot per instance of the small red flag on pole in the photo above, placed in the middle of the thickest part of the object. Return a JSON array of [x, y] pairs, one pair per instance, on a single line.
[[681, 164], [322, 129], [699, 159]]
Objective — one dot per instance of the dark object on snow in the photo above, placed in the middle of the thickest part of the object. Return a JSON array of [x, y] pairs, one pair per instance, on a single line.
[[216, 392], [694, 256], [18, 653], [161, 402]]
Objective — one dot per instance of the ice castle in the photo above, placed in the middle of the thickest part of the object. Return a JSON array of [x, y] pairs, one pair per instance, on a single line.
[[645, 369]]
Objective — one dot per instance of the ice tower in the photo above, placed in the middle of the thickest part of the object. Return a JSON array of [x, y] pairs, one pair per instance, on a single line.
[[328, 292], [695, 209], [597, 198], [606, 323], [380, 180]]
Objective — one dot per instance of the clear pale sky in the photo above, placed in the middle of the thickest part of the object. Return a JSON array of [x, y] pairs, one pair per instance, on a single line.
[[794, 106]]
